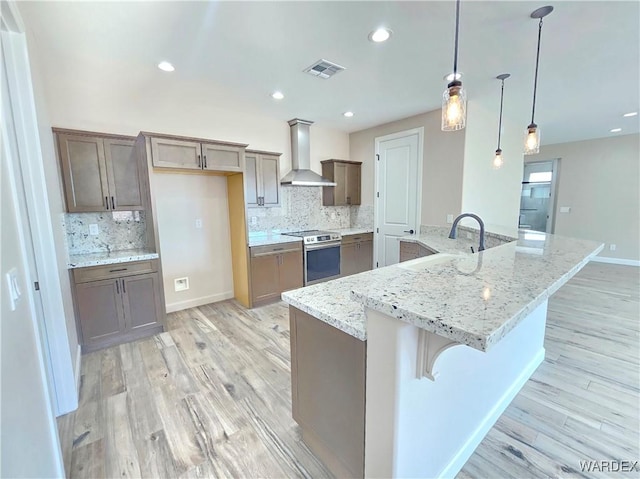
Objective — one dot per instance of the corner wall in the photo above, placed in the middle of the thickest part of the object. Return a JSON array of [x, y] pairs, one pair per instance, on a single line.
[[443, 158], [600, 180]]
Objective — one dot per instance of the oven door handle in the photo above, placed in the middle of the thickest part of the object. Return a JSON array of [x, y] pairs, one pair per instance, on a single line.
[[328, 244]]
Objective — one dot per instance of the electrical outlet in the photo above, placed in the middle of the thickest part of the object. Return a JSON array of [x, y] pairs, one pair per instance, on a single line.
[[14, 288], [93, 229], [469, 235], [612, 247], [565, 209], [181, 284], [254, 220], [198, 223], [333, 215], [449, 219]]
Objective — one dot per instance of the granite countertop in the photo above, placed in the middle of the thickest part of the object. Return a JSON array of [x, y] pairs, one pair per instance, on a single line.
[[265, 238], [113, 257], [351, 231], [474, 299]]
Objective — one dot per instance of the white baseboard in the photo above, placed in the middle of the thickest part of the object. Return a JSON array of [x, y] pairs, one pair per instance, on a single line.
[[192, 303], [465, 452], [606, 259], [78, 369]]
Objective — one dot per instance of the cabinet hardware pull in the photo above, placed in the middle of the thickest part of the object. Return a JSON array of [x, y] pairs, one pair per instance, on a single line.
[[124, 290], [106, 200], [113, 203], [199, 163], [205, 160], [278, 249], [116, 270], [118, 287]]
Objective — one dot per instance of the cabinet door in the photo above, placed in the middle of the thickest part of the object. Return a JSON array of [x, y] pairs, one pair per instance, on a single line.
[[265, 278], [100, 310], [353, 185], [84, 173], [124, 175], [408, 251], [169, 153], [251, 189], [141, 300], [340, 178], [270, 172], [221, 157], [365, 256], [348, 259], [291, 274]]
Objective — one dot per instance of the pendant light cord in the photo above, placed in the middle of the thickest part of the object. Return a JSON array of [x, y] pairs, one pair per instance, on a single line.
[[455, 52], [535, 81], [500, 122]]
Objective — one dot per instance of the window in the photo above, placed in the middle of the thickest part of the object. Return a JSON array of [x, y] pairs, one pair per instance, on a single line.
[[539, 176]]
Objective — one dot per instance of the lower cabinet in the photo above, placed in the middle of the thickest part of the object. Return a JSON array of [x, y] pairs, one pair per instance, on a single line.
[[273, 270], [117, 303], [356, 254], [410, 250]]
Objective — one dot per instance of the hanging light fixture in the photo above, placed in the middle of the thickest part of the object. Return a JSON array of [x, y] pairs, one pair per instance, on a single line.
[[532, 134], [454, 98], [497, 160]]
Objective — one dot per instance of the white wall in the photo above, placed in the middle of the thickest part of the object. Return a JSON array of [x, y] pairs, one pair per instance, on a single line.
[[600, 180], [443, 157], [178, 110], [29, 446], [494, 195]]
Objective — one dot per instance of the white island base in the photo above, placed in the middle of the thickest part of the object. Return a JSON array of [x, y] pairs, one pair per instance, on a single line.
[[417, 426]]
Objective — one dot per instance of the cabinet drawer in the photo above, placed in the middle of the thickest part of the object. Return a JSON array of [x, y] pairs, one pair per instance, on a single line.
[[257, 251], [117, 270], [347, 239]]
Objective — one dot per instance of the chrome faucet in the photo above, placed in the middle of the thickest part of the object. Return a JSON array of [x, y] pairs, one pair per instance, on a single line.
[[452, 233]]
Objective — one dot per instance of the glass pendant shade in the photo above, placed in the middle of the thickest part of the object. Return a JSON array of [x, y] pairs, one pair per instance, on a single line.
[[498, 161], [532, 140], [454, 107]]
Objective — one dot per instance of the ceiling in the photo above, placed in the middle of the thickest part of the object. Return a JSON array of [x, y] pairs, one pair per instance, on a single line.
[[235, 54]]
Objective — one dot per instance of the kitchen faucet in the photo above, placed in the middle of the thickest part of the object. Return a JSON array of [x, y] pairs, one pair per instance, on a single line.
[[452, 233]]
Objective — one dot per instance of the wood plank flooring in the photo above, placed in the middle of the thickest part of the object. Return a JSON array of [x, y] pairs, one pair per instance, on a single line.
[[211, 396]]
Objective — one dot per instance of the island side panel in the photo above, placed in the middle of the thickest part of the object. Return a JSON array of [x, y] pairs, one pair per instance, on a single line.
[[328, 370], [425, 428]]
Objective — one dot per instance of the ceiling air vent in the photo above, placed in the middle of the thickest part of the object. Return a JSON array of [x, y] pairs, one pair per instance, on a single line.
[[323, 69]]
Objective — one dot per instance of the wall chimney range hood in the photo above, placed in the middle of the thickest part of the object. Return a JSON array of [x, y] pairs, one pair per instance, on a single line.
[[301, 173]]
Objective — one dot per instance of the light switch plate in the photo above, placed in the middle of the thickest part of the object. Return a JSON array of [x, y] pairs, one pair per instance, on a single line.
[[565, 209], [198, 223], [14, 288], [449, 219], [93, 229]]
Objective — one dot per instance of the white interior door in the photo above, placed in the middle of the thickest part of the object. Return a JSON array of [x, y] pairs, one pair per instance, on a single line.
[[398, 183]]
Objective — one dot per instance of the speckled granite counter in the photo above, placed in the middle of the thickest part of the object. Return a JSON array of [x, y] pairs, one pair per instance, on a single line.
[[474, 299], [113, 257], [264, 239], [351, 231]]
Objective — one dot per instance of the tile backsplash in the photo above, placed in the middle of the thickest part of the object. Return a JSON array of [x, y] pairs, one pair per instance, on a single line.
[[300, 209], [117, 230], [361, 216]]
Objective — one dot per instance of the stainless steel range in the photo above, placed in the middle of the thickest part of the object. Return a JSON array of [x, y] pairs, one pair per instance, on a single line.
[[321, 255]]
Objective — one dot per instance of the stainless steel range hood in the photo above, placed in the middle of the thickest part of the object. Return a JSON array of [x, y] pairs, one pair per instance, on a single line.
[[301, 173]]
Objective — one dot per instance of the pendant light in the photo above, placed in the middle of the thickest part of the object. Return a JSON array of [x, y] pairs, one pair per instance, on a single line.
[[532, 134], [497, 160], [454, 98]]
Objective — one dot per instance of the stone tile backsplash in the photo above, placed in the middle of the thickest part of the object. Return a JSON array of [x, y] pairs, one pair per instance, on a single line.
[[361, 216], [117, 230]]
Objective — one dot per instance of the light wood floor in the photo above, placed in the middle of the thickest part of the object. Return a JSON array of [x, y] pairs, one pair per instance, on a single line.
[[211, 396]]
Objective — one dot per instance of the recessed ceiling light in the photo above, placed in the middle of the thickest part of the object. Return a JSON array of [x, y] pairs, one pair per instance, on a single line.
[[615, 130], [380, 35], [348, 114], [166, 67], [449, 77], [277, 95], [632, 113]]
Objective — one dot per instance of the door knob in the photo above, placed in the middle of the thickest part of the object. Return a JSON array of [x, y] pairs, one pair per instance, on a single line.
[[410, 231]]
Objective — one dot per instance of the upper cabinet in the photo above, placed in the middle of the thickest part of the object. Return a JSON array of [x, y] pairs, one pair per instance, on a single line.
[[346, 175], [194, 154], [262, 178], [100, 172]]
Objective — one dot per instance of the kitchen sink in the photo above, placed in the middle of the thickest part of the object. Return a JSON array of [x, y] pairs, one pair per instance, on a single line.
[[420, 264]]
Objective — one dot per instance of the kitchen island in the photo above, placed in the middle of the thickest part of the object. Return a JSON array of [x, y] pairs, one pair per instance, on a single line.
[[436, 348]]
